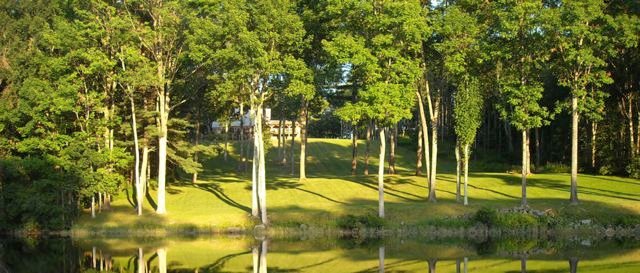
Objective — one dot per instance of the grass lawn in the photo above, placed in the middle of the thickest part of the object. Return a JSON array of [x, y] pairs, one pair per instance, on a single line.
[[221, 198]]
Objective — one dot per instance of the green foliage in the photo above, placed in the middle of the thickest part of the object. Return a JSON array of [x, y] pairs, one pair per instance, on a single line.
[[360, 222], [633, 169], [551, 167], [467, 110]]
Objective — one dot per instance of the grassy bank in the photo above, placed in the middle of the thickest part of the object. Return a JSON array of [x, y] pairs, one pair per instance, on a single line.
[[220, 201]]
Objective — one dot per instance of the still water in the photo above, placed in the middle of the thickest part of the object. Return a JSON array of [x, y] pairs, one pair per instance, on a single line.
[[243, 254]]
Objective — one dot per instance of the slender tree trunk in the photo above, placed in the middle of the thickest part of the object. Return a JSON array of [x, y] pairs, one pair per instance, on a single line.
[[262, 190], [303, 141], [466, 173], [573, 264], [419, 154], [434, 113], [260, 257], [525, 149], [243, 159], [381, 259], [381, 175], [538, 149], [280, 125], [523, 264], [458, 170], [93, 206], [632, 143], [528, 165], [255, 206], [99, 202], [162, 260], [466, 262], [194, 179], [574, 150], [425, 133], [366, 151], [226, 140], [293, 145], [354, 150], [594, 132], [284, 143], [144, 166], [393, 135], [259, 177]]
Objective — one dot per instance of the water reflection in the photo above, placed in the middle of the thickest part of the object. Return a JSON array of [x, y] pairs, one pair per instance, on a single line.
[[202, 255]]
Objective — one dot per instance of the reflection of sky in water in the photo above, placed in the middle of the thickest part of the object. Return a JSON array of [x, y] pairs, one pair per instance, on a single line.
[[318, 255]]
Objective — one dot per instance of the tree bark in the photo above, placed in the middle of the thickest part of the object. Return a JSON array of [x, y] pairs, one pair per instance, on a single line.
[[393, 135], [303, 141], [162, 120], [144, 166], [283, 159], [419, 154], [528, 165], [458, 170], [243, 159], [194, 178], [141, 264], [466, 173], [594, 132], [434, 113], [381, 175], [538, 149], [574, 150], [280, 125], [226, 140], [632, 143], [136, 147], [466, 262], [354, 150], [255, 207], [425, 133], [93, 206], [293, 145], [523, 264], [366, 151], [260, 258], [525, 149]]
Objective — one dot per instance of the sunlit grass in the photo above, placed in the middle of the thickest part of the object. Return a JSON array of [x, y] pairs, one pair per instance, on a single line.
[[221, 198]]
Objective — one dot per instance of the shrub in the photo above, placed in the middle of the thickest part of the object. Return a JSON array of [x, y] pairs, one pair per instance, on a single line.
[[516, 220], [633, 169], [352, 222], [487, 216], [555, 168]]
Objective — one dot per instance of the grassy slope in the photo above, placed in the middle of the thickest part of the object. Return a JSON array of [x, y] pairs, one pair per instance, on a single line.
[[221, 198]]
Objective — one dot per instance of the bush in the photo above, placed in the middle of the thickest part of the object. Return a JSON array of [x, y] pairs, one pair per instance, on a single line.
[[516, 220], [487, 216], [633, 169], [352, 222]]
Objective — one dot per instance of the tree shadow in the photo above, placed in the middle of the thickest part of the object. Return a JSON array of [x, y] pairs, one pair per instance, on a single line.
[[219, 193]]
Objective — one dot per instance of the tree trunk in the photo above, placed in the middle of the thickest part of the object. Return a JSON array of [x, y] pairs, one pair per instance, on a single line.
[[293, 145], [538, 149], [632, 143], [260, 257], [260, 159], [354, 150], [525, 149], [243, 159], [381, 259], [523, 265], [466, 173], [162, 260], [136, 147], [99, 202], [280, 125], [419, 154], [528, 165], [255, 207], [458, 169], [303, 141], [144, 166], [194, 179], [93, 206], [226, 140], [457, 265], [594, 132], [573, 264], [434, 111], [381, 175], [393, 135], [283, 159], [466, 262], [425, 133], [574, 150], [366, 151]]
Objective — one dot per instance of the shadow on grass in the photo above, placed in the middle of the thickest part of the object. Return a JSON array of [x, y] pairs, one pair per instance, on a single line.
[[216, 190]]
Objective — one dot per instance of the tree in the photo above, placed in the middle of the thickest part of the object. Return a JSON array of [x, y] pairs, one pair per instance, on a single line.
[[577, 32], [516, 25]]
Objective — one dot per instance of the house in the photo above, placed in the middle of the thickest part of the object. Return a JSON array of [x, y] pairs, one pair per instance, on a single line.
[[235, 128]]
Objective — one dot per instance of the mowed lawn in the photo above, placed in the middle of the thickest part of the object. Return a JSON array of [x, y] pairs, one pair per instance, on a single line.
[[222, 196]]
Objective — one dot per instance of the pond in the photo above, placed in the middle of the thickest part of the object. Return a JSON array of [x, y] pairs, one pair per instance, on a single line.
[[246, 254]]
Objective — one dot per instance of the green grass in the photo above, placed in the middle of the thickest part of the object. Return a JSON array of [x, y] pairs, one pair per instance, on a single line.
[[221, 198]]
